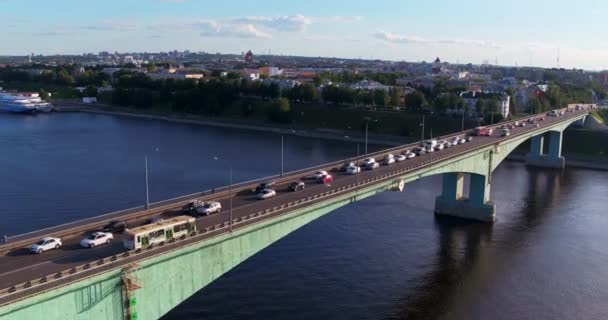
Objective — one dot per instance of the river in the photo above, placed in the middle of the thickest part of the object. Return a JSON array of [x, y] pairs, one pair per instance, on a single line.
[[386, 257]]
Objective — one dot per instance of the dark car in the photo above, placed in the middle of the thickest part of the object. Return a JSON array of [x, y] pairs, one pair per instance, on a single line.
[[115, 226], [264, 186], [296, 186]]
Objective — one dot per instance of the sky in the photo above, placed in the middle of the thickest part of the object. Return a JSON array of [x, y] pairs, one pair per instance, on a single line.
[[514, 32]]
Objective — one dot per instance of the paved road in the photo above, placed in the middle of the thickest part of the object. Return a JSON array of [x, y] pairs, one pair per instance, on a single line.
[[19, 266]]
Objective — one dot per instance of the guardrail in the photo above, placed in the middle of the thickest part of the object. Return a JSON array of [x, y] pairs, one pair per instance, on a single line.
[[25, 289]]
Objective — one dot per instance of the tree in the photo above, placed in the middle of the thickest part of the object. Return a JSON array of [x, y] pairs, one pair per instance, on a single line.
[[395, 99], [90, 91], [415, 100], [280, 110], [44, 95], [480, 106], [381, 98], [308, 92]]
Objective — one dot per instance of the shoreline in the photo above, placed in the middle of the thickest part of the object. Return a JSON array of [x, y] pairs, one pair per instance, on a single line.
[[572, 161]]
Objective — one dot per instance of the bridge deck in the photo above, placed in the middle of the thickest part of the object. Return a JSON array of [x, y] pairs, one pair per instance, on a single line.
[[18, 266]]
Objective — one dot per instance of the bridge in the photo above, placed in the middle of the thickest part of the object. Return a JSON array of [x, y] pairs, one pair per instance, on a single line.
[[110, 282]]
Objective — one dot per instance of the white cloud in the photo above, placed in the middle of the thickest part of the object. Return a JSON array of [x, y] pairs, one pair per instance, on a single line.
[[295, 23], [237, 30], [113, 25], [404, 39]]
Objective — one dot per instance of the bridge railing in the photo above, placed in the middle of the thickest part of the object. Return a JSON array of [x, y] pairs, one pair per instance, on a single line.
[[76, 273]]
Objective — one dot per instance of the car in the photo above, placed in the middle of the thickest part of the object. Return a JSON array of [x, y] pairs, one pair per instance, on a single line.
[[562, 112], [155, 220], [505, 132], [410, 155], [389, 159], [419, 151], [327, 178], [522, 124], [96, 239], [115, 226], [469, 139], [400, 157], [296, 186], [354, 169], [531, 120], [317, 175], [444, 143], [191, 207], [553, 113], [263, 186], [429, 149], [46, 244], [266, 194], [438, 147], [462, 141], [345, 166], [372, 166], [456, 141], [537, 125], [209, 208], [541, 119], [368, 161]]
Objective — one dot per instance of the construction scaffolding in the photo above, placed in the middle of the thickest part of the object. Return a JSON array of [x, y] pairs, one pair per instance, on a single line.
[[130, 283]]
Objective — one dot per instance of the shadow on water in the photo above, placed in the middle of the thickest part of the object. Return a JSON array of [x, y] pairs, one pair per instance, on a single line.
[[461, 243]]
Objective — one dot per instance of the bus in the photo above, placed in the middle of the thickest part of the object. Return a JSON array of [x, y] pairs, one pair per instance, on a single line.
[[154, 233]]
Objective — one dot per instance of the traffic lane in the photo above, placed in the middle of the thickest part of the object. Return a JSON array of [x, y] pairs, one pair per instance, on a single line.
[[243, 205], [35, 266]]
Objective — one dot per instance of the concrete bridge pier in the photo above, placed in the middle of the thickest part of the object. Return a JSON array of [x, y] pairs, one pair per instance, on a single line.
[[452, 201], [553, 159]]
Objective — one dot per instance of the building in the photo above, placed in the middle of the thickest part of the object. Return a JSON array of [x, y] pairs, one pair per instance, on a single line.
[[436, 66], [370, 85], [248, 56], [271, 71]]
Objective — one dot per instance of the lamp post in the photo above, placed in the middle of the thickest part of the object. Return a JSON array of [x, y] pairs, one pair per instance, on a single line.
[[147, 187], [282, 152], [216, 158], [422, 125], [367, 120], [462, 127]]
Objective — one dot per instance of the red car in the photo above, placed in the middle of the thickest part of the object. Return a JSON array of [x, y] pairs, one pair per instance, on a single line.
[[326, 179]]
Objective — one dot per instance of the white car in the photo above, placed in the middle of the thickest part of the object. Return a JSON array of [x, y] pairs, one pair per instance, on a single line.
[[469, 139], [353, 169], [400, 158], [266, 194], [369, 161], [444, 144], [46, 244], [317, 175], [462, 141], [410, 155], [455, 141], [209, 208], [389, 159], [372, 166], [96, 239], [505, 132]]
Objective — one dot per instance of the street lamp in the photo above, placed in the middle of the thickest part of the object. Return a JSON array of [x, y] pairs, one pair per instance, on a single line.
[[367, 120], [147, 188], [422, 125], [216, 158], [147, 204], [462, 128], [282, 152]]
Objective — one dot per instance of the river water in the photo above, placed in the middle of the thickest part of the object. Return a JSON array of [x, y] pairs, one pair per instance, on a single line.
[[386, 257]]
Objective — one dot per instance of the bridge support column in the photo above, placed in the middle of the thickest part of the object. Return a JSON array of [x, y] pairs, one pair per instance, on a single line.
[[553, 159], [453, 203]]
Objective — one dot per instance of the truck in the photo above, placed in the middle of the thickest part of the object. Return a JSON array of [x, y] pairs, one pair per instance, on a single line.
[[482, 131]]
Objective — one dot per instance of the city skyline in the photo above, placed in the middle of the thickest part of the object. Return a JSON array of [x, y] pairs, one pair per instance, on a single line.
[[473, 31]]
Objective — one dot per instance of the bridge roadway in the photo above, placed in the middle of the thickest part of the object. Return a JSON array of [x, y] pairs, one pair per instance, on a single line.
[[18, 266]]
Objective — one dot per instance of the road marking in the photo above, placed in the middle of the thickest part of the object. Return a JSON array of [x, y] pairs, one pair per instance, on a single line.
[[25, 268]]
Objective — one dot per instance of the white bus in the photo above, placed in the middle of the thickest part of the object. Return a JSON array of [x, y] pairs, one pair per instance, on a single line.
[[154, 233]]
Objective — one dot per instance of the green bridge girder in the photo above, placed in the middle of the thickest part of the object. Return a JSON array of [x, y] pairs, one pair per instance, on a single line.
[[169, 279]]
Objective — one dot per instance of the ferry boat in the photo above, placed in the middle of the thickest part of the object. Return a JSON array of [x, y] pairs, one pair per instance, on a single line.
[[23, 103]]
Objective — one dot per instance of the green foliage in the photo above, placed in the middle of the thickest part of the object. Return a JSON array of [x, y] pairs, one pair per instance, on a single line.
[[279, 111], [415, 100], [381, 98]]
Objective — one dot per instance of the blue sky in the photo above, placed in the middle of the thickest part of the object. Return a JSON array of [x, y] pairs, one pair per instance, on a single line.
[[510, 32]]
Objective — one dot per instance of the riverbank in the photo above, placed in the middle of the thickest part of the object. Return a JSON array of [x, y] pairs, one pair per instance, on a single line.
[[333, 134], [572, 160]]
